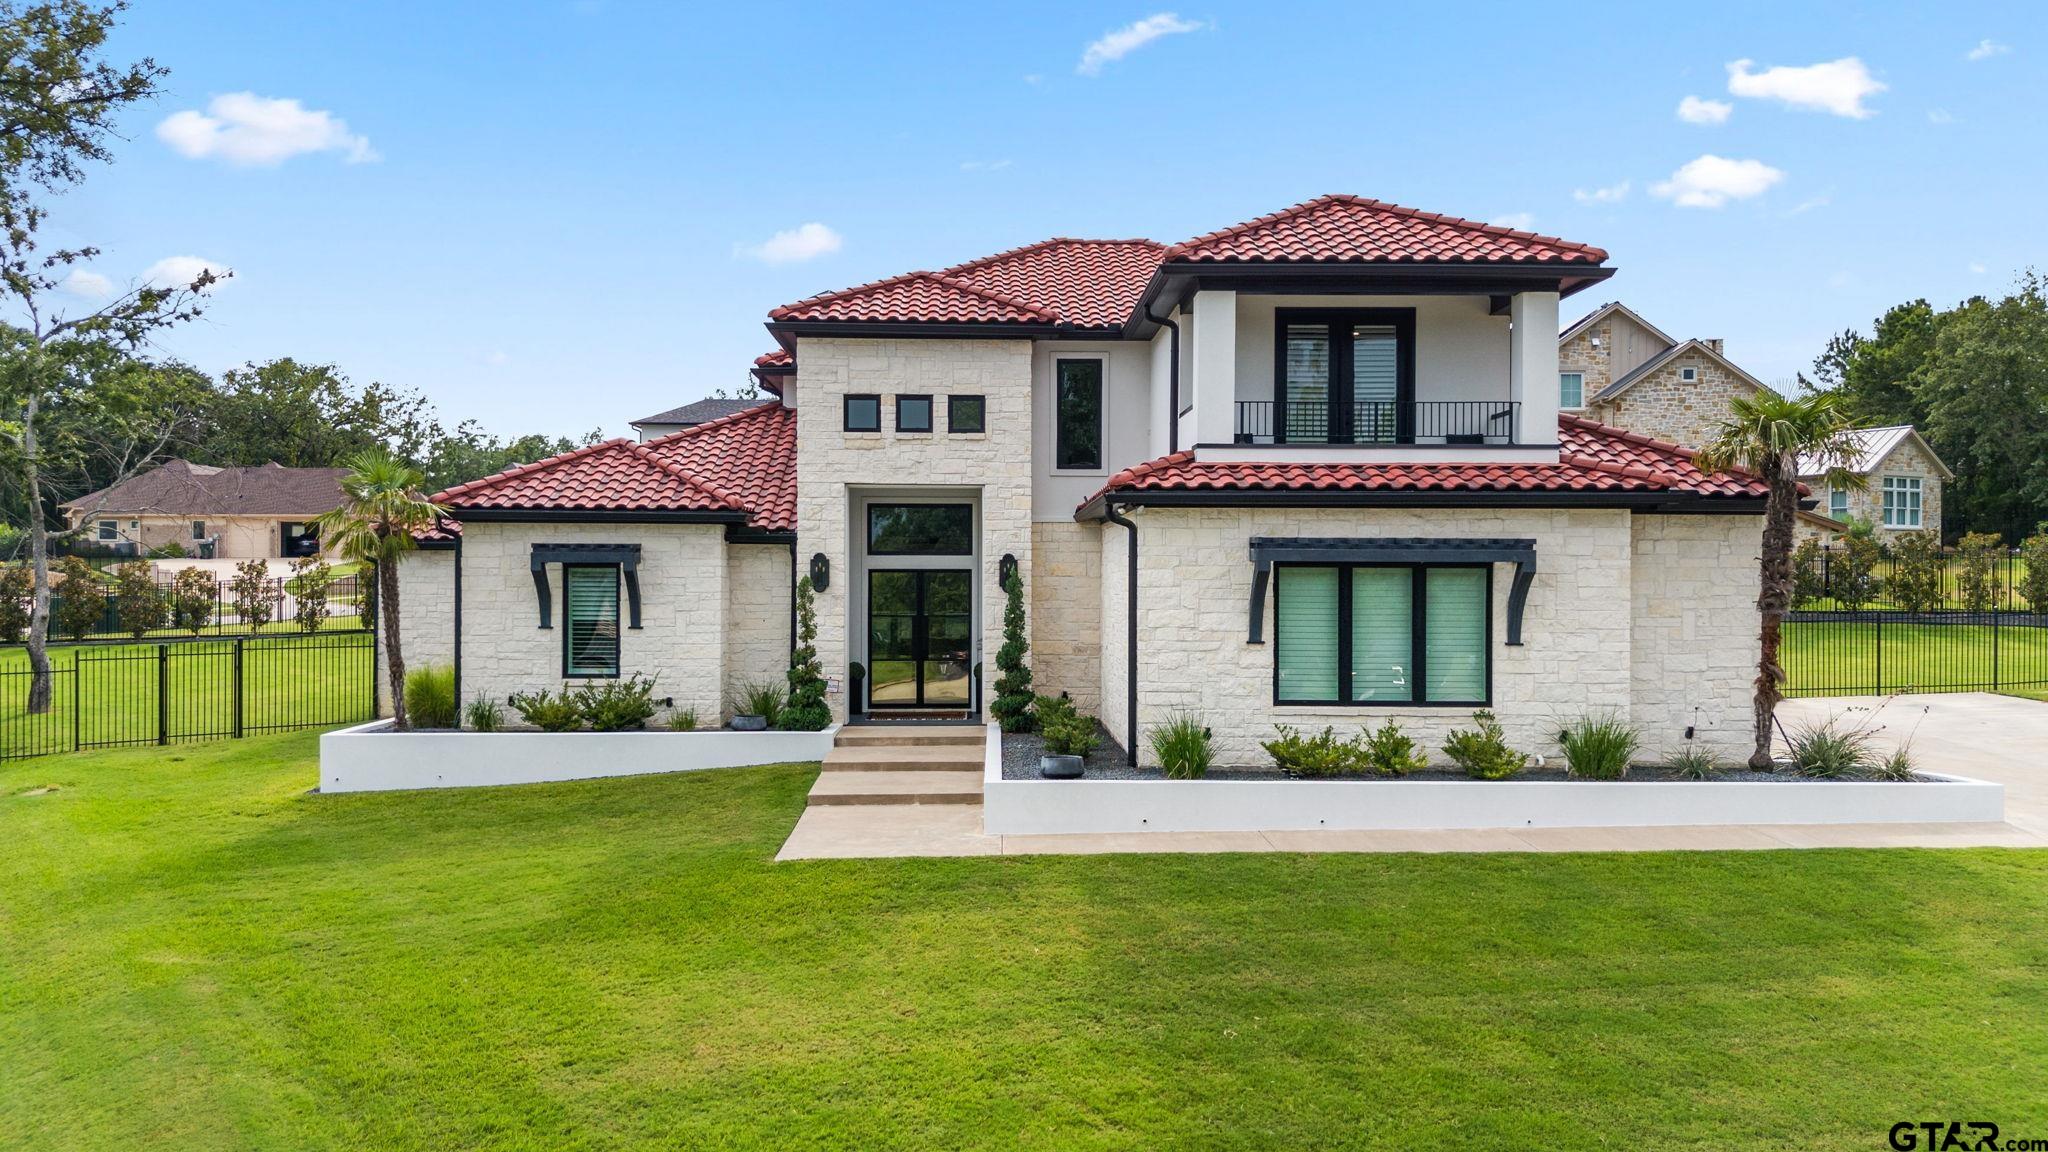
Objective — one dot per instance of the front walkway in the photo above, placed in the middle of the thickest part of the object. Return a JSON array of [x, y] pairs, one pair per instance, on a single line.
[[1997, 738]]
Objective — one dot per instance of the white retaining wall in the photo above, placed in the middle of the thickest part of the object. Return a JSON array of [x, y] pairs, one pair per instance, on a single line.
[[368, 758]]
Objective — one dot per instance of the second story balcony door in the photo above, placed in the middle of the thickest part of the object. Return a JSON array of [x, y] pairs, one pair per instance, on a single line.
[[1344, 377]]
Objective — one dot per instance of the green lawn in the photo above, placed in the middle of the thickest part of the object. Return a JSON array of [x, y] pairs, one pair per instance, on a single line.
[[1845, 657], [196, 954]]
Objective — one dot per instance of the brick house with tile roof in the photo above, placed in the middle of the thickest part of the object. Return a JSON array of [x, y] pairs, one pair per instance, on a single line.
[[1309, 469]]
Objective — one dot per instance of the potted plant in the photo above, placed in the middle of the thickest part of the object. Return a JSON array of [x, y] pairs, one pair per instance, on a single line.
[[1069, 737], [757, 707]]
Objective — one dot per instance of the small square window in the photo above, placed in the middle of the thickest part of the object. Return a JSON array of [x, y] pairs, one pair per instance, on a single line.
[[913, 413], [966, 414], [863, 413], [1688, 374]]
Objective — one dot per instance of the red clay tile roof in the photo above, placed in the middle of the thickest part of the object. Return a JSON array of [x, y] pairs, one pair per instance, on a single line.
[[1352, 229], [751, 455], [615, 476], [780, 358], [1087, 283], [926, 297], [1593, 458]]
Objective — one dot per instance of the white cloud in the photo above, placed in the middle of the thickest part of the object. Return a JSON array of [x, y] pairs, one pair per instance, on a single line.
[[1116, 45], [1986, 49], [1612, 194], [90, 285], [1940, 116], [803, 242], [985, 165], [248, 130], [1034, 79], [496, 358], [1694, 110], [1809, 204], [1520, 221], [1838, 86], [181, 271], [1978, 267], [1712, 181]]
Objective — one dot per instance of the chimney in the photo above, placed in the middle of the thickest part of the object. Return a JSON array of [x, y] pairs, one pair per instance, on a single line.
[[1715, 344]]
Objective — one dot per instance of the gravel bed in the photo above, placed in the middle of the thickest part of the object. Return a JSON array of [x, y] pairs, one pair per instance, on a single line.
[[1021, 752]]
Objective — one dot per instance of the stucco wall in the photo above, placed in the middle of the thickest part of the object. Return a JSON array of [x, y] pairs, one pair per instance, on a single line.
[[757, 617], [1127, 422], [1195, 578], [831, 460], [239, 537], [1065, 595], [1907, 459], [1662, 405], [1694, 635], [426, 615], [1461, 352]]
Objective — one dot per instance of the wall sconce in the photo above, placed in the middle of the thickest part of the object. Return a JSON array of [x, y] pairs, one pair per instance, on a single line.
[[1006, 570], [821, 572]]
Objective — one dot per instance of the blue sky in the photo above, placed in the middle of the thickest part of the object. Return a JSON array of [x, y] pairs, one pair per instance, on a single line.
[[559, 216]]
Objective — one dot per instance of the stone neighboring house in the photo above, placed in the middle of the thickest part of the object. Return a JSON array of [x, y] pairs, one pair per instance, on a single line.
[[1306, 470], [1902, 484], [217, 513], [1618, 368]]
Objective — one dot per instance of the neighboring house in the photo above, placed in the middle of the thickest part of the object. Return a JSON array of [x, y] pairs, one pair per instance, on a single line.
[[223, 513], [1618, 368], [688, 416], [1902, 479], [1306, 470]]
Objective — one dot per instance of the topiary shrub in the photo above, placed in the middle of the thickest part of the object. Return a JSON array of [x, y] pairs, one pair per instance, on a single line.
[[430, 696], [1066, 731], [2033, 578], [1916, 572], [1012, 706], [17, 591], [81, 600], [1979, 583], [1484, 753], [195, 594], [806, 710]]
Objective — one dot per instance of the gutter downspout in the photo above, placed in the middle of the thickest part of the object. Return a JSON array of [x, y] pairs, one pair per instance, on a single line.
[[792, 601], [458, 629], [1172, 381], [1110, 514]]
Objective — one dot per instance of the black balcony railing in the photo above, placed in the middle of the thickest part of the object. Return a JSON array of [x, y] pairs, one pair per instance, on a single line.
[[1378, 422]]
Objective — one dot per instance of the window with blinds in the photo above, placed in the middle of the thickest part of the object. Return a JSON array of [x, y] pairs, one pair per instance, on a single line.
[[590, 606], [1375, 383], [1307, 376], [1382, 634], [1344, 376]]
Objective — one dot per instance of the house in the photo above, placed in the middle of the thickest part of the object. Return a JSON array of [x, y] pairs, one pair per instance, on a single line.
[[688, 416], [1901, 490], [1309, 469], [1618, 368], [221, 513]]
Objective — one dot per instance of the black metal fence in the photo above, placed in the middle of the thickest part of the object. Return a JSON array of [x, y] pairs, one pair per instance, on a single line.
[[1870, 620], [178, 606], [105, 696]]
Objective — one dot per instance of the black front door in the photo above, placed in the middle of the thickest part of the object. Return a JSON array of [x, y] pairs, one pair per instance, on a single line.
[[920, 638]]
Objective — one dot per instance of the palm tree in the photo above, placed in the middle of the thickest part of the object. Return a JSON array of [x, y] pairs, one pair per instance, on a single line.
[[380, 511], [1766, 434]]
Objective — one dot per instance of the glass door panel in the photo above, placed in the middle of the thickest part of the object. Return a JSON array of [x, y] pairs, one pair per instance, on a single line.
[[948, 638], [920, 638], [892, 638]]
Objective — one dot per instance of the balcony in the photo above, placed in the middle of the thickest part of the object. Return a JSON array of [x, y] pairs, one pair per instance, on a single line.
[[1370, 422]]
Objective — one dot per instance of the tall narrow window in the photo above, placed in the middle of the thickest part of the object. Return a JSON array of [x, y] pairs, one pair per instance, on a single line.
[[590, 605], [1571, 389], [1455, 626], [199, 529], [1305, 383], [1306, 634], [1382, 634], [1344, 377], [1838, 503], [1902, 502], [1077, 416], [1375, 383]]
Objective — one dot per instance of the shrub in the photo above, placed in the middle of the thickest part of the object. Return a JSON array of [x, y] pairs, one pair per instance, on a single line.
[[761, 698], [2034, 571], [1484, 753], [17, 590], [169, 550], [1852, 571], [137, 602], [1391, 752], [806, 710], [616, 705], [1012, 705], [1183, 746], [194, 596], [255, 593], [484, 715], [81, 599], [683, 720], [1897, 767], [1599, 747], [1826, 752], [1916, 572], [1319, 755], [1694, 764], [547, 711], [1067, 732], [311, 578], [1978, 580], [1808, 574], [430, 696]]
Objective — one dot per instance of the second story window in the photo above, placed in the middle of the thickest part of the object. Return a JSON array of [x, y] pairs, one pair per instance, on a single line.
[[863, 413], [913, 413], [1571, 389], [1077, 415], [1902, 502], [1345, 377], [966, 414], [1838, 503]]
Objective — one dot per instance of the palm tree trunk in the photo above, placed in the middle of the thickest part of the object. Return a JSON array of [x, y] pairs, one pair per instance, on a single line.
[[394, 656], [39, 684], [1774, 597]]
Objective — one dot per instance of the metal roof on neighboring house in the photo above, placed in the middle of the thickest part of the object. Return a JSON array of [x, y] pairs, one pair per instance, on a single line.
[[182, 488], [1872, 445]]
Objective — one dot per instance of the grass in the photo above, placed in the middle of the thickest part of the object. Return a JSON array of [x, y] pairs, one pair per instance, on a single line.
[[1846, 657], [196, 954]]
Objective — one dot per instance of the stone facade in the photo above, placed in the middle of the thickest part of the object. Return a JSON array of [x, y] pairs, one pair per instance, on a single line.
[[1066, 612], [757, 607], [832, 462], [1663, 405], [426, 615], [1115, 570], [1905, 459], [1579, 354], [1693, 634]]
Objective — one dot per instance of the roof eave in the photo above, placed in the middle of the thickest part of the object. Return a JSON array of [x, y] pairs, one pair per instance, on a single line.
[[1174, 281], [1661, 501]]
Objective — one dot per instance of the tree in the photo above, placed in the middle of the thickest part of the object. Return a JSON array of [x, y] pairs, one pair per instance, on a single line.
[[310, 416], [1978, 580], [381, 508], [256, 594], [1853, 574], [1013, 704], [59, 101], [2033, 576], [311, 578], [1766, 434], [137, 602], [83, 605], [16, 587], [1878, 377], [1916, 572], [194, 596], [470, 453], [806, 710]]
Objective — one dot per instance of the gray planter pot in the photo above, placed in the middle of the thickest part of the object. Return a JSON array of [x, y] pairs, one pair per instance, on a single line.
[[1059, 767], [750, 724]]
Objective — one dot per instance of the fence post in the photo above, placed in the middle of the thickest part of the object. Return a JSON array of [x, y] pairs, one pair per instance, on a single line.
[[238, 687], [1878, 688], [77, 693], [163, 693]]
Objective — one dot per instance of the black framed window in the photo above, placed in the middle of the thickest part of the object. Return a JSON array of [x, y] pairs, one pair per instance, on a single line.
[[1077, 414], [590, 609], [199, 529], [913, 413], [1344, 376], [863, 413], [109, 530], [966, 414], [1383, 634], [920, 530]]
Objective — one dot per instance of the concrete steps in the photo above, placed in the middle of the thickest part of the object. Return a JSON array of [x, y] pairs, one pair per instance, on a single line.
[[897, 788], [902, 765], [904, 758], [905, 736]]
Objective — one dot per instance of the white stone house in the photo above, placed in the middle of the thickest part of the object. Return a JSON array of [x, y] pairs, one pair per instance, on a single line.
[[1307, 470], [1901, 490]]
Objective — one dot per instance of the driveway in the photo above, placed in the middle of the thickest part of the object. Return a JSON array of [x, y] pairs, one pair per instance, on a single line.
[[223, 570]]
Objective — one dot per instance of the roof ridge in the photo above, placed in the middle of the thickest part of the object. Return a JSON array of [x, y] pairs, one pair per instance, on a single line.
[[676, 470], [1308, 207], [542, 464], [885, 282], [952, 282], [1034, 246], [999, 297]]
